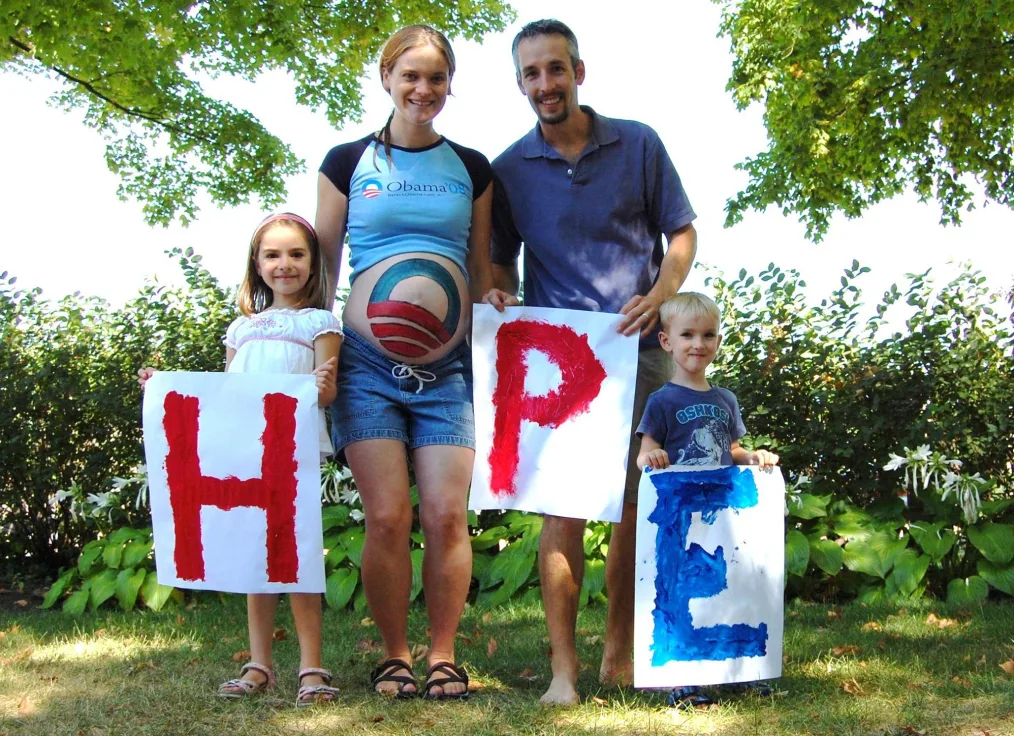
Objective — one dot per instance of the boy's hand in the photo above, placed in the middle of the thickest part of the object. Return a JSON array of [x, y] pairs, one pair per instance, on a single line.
[[143, 374], [654, 459], [499, 299], [764, 459]]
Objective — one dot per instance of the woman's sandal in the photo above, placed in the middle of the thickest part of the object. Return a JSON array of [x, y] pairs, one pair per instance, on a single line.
[[240, 688], [310, 694], [452, 675], [384, 672]]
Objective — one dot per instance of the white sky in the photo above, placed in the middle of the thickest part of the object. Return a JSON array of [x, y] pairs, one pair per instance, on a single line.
[[657, 62]]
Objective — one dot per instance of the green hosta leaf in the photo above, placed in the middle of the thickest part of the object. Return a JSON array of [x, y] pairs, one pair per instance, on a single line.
[[489, 599], [417, 576], [353, 540], [827, 555], [128, 585], [341, 584], [58, 587], [103, 588], [594, 577], [873, 595], [89, 553], [854, 524], [154, 593], [873, 555], [489, 538], [125, 534], [995, 541], [808, 506], [1001, 578], [507, 557], [76, 603], [933, 538], [335, 556], [909, 569], [517, 571], [135, 552], [359, 602], [480, 564], [967, 590], [334, 515], [112, 554], [797, 552]]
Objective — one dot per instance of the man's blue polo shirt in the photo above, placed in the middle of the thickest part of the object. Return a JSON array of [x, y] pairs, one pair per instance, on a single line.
[[592, 231]]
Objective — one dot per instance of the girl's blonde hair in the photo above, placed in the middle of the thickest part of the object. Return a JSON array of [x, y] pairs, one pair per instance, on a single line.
[[691, 304], [406, 39], [254, 295]]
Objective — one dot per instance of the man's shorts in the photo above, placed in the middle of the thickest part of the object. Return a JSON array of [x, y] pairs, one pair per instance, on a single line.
[[654, 368], [417, 404]]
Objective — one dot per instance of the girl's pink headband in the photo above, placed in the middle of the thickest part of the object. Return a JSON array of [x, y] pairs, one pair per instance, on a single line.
[[284, 216]]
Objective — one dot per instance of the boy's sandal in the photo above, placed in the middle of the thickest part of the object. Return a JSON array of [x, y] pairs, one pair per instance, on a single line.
[[452, 674], [310, 694], [240, 688], [689, 698], [384, 672]]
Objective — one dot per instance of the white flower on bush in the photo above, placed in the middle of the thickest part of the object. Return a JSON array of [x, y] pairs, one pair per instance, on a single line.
[[356, 515], [349, 496], [923, 467]]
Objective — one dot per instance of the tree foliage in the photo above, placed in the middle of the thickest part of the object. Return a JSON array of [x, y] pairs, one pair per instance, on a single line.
[[136, 71], [865, 98]]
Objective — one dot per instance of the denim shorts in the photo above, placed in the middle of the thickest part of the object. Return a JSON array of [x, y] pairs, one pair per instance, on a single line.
[[419, 405]]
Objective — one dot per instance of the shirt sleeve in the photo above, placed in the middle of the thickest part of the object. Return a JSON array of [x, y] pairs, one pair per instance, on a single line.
[[668, 205], [340, 163], [325, 323], [653, 422], [230, 333], [506, 240], [477, 166], [738, 428]]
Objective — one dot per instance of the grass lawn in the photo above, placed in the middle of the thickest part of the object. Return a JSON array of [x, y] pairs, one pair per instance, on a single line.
[[925, 669]]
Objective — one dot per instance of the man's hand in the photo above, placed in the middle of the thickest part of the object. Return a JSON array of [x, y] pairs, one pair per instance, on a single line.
[[143, 374], [499, 299], [654, 459], [640, 314]]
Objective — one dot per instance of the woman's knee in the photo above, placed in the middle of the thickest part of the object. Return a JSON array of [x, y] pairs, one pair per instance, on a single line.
[[389, 524], [444, 524]]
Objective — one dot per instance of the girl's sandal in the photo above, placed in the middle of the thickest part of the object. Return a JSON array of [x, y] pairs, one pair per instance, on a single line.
[[384, 672], [451, 674], [240, 688], [310, 694]]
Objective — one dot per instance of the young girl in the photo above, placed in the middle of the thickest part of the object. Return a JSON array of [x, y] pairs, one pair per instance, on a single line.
[[417, 210], [284, 328]]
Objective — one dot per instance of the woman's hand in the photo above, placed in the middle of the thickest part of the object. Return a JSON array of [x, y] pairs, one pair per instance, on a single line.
[[499, 299], [143, 374], [326, 375]]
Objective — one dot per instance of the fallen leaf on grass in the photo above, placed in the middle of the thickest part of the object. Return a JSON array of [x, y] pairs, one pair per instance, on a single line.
[[491, 647], [872, 626], [193, 661], [600, 702], [367, 646], [180, 619], [378, 719], [419, 651], [487, 617], [25, 707], [21, 603], [49, 678], [367, 622], [1008, 667], [593, 639], [241, 655], [149, 665], [852, 687], [961, 681], [528, 674], [21, 657], [793, 614], [280, 634], [940, 623], [913, 731], [841, 651], [832, 614]]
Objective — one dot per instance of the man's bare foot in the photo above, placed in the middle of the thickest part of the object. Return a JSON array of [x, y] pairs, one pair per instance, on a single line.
[[621, 675], [561, 692], [394, 677]]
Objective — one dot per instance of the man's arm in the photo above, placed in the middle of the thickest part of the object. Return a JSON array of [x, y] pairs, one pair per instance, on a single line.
[[641, 312], [507, 278]]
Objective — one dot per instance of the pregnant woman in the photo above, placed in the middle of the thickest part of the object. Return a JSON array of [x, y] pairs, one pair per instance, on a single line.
[[417, 211]]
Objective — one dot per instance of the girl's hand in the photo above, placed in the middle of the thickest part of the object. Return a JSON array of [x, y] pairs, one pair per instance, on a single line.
[[654, 459], [765, 459], [500, 299], [143, 374], [326, 375]]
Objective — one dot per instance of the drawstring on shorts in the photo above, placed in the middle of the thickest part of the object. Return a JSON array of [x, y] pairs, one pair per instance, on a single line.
[[407, 370]]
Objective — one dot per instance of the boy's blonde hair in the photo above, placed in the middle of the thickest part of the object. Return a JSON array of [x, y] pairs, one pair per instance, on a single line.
[[691, 304]]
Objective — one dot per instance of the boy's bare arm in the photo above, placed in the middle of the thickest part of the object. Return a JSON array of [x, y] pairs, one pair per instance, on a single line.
[[763, 458]]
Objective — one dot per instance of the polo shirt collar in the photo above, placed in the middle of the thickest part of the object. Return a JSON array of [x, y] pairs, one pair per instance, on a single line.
[[603, 133]]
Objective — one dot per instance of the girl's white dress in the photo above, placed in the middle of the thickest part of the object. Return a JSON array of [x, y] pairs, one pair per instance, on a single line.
[[281, 341]]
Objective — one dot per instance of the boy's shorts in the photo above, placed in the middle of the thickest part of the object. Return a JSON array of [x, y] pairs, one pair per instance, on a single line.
[[381, 399], [654, 368]]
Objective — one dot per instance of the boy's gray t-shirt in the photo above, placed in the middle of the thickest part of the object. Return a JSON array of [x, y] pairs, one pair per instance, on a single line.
[[694, 427]]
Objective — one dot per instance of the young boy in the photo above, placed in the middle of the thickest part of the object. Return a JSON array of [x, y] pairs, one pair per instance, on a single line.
[[690, 422]]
